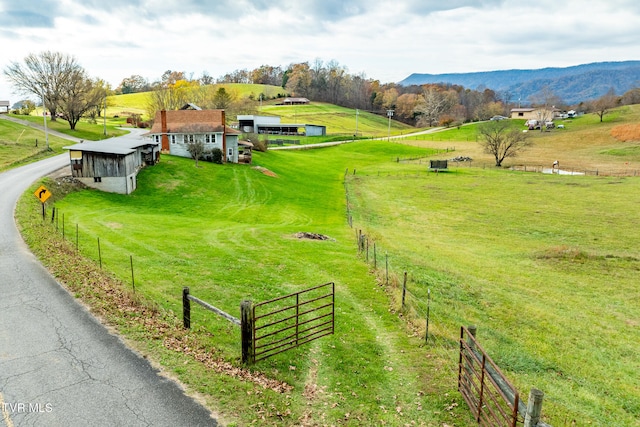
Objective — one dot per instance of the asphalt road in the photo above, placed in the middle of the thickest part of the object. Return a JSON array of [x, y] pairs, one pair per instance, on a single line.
[[58, 365]]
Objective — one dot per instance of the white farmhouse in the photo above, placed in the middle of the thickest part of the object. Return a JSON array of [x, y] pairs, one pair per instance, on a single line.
[[175, 129]]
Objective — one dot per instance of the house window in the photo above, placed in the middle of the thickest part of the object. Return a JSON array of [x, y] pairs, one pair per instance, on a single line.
[[520, 114], [207, 139], [173, 139], [185, 139], [157, 138], [97, 179], [213, 138], [191, 139]]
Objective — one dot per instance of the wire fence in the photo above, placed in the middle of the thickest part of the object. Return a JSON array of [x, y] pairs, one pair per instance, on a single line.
[[420, 302]]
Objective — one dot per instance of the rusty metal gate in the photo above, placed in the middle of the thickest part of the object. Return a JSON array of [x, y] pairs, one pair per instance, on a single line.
[[274, 326], [491, 398]]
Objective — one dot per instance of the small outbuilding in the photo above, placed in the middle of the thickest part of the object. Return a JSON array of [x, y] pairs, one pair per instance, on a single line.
[[112, 165], [4, 106]]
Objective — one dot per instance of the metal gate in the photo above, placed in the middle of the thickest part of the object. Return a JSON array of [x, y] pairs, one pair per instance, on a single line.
[[491, 398], [274, 326]]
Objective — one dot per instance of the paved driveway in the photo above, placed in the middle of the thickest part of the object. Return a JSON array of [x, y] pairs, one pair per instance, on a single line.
[[58, 365]]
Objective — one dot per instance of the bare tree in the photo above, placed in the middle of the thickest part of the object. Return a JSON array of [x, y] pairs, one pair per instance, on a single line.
[[79, 95], [604, 104], [502, 139], [433, 103], [45, 75]]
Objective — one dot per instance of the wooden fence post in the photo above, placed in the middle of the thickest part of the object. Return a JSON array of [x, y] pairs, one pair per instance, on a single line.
[[534, 408], [99, 254], [404, 288], [375, 257], [186, 308], [386, 262], [246, 328], [133, 281], [426, 334]]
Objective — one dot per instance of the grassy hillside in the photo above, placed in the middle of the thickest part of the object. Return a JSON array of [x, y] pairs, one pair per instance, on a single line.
[[544, 265], [20, 144], [234, 241], [137, 102], [338, 120]]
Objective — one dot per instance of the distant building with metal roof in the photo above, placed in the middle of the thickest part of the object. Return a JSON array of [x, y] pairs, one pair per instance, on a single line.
[[271, 125]]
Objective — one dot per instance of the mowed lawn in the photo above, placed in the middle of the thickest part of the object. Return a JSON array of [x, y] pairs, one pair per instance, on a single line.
[[20, 144], [228, 232], [544, 265]]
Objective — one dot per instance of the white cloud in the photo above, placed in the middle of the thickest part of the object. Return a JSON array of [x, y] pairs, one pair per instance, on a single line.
[[386, 40]]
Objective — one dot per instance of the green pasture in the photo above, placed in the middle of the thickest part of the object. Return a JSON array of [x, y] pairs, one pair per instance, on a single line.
[[84, 129], [227, 232], [339, 120], [544, 265], [20, 144]]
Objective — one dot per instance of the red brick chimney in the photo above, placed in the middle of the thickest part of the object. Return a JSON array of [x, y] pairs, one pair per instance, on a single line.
[[164, 136], [224, 138]]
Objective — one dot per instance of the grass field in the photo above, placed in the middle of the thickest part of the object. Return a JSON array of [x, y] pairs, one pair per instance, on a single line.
[[20, 144], [544, 265], [339, 120]]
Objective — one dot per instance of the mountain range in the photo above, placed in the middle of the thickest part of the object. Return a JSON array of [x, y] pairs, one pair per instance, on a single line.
[[573, 85]]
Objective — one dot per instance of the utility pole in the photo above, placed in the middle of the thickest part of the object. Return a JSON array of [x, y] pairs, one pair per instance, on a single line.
[[44, 115], [389, 114], [357, 112], [105, 115]]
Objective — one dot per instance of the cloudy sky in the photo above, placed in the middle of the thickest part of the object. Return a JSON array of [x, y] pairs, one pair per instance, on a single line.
[[386, 40]]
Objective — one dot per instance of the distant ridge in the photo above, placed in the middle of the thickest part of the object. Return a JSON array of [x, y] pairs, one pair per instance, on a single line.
[[573, 84]]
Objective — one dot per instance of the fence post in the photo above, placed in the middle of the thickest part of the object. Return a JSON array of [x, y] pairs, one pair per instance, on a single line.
[[99, 254], [77, 248], [53, 214], [404, 288], [375, 257], [386, 261], [367, 243], [133, 282], [426, 334], [186, 308], [246, 328], [534, 408]]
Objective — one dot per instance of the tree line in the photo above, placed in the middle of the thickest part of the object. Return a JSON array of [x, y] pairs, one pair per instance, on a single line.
[[69, 93]]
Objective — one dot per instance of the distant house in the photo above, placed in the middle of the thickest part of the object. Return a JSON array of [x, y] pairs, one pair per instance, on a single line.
[[174, 130], [535, 113], [295, 101], [523, 113], [271, 125], [4, 106], [112, 165]]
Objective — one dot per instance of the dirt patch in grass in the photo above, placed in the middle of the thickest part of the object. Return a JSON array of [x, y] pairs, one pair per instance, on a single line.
[[265, 171], [311, 236]]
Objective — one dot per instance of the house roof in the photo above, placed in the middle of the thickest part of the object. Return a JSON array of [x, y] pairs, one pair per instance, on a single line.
[[522, 110], [191, 121], [121, 146], [292, 99]]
